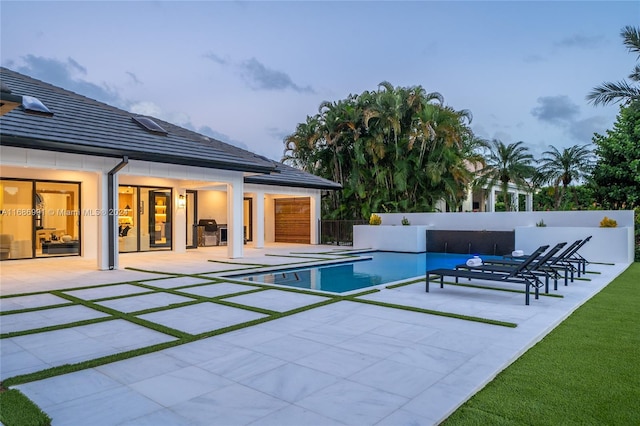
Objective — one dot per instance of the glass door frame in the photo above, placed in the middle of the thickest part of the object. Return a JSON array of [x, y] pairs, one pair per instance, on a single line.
[[248, 232], [146, 208], [191, 212], [37, 216]]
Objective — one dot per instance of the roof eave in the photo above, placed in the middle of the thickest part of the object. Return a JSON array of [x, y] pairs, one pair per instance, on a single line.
[[56, 146], [263, 181]]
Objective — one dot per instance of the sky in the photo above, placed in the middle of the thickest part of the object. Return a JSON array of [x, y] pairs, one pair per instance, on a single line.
[[248, 72]]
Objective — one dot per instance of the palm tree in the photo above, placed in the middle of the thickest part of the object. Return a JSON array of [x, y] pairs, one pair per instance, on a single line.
[[504, 164], [613, 92], [392, 149], [572, 164]]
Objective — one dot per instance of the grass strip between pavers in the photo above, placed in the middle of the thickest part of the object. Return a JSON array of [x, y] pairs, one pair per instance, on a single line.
[[249, 265], [484, 287], [404, 283], [584, 372], [18, 410], [127, 317], [438, 313], [91, 363], [182, 337], [56, 327], [509, 290], [35, 293], [36, 308]]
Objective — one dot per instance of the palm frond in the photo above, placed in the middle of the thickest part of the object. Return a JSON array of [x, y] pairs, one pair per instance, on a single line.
[[631, 36], [635, 74], [608, 93]]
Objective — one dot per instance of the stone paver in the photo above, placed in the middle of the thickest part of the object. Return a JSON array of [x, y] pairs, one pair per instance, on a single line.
[[342, 363]]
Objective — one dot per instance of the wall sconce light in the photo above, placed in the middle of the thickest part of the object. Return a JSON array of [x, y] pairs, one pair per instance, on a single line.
[[182, 202]]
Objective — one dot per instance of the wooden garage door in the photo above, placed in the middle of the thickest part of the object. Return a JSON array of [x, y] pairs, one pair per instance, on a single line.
[[293, 220]]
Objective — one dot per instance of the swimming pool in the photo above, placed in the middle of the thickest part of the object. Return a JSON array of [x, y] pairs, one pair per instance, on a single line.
[[382, 268]]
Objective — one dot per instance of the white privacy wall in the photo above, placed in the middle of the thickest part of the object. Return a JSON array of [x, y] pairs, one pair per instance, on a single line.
[[607, 244]]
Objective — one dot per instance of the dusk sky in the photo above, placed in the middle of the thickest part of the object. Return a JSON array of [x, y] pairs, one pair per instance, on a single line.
[[248, 72]]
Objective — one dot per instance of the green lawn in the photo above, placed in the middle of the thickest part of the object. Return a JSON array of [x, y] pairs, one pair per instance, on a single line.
[[585, 372]]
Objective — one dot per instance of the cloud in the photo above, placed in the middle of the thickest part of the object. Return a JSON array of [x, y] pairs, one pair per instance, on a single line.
[[133, 77], [580, 41], [65, 74], [561, 112], [146, 108], [208, 131], [151, 109], [558, 110], [259, 77], [77, 66], [215, 58], [583, 130], [278, 133]]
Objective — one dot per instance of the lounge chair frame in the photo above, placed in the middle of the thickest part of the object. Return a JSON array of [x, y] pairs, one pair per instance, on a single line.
[[520, 275], [541, 267]]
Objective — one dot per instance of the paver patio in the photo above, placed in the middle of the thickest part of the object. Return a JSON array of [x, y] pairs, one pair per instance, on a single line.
[[341, 363]]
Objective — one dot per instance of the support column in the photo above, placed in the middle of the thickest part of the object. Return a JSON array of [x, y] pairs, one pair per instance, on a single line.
[[316, 211], [179, 222], [491, 205], [529, 202], [102, 223], [259, 223], [235, 226], [516, 198]]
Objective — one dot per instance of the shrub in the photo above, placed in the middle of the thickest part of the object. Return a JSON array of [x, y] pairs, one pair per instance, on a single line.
[[375, 219], [405, 221], [608, 223]]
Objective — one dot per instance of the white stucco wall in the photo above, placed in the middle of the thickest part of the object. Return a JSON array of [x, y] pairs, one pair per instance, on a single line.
[[406, 239], [607, 244], [509, 220]]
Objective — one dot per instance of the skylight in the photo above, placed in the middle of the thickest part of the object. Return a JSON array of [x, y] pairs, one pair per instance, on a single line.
[[34, 105], [149, 125]]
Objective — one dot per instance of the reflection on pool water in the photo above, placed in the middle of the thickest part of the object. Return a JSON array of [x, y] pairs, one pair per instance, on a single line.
[[382, 268]]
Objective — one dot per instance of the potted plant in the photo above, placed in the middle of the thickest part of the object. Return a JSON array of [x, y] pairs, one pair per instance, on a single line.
[[608, 223], [375, 219]]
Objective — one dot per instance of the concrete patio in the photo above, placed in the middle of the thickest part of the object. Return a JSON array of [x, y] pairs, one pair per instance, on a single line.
[[345, 362]]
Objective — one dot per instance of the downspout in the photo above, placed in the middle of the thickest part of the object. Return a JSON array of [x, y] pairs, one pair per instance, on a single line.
[[111, 206]]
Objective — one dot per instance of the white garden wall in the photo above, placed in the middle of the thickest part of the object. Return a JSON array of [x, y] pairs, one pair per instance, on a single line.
[[607, 244], [407, 239]]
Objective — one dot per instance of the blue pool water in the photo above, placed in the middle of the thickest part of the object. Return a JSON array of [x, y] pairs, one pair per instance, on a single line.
[[382, 268]]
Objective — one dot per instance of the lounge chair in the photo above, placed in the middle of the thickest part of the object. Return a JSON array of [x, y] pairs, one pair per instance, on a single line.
[[520, 274], [539, 267], [552, 265], [569, 258]]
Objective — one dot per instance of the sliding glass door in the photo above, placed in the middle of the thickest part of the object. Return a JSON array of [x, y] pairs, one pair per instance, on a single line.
[[144, 221], [160, 219], [39, 219]]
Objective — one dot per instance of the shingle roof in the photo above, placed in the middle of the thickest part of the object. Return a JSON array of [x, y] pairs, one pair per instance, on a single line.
[[85, 126], [290, 176]]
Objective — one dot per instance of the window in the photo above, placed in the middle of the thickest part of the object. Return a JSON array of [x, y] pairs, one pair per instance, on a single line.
[[39, 219], [150, 125], [34, 105]]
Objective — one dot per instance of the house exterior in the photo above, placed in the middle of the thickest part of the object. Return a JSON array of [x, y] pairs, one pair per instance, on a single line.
[[82, 178]]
